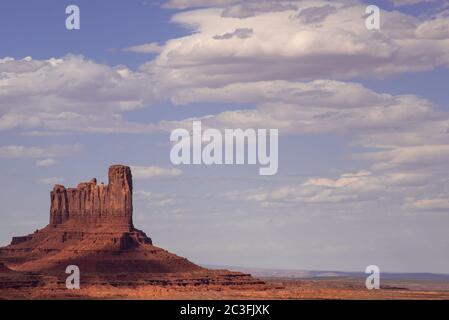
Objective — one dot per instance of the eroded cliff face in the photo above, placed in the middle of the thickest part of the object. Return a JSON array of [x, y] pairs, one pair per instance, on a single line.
[[89, 219], [92, 203]]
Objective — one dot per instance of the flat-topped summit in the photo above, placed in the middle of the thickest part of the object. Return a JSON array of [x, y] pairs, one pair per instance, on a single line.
[[92, 203]]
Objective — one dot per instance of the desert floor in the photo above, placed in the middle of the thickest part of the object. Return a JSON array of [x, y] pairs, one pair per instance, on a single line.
[[324, 288]]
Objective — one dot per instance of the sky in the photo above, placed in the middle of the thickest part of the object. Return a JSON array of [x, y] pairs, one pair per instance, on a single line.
[[363, 120]]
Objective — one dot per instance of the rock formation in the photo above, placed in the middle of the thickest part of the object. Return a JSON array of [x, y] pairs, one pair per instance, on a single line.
[[91, 226], [92, 203]]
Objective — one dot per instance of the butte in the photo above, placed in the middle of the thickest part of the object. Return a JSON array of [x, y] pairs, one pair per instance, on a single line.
[[91, 226]]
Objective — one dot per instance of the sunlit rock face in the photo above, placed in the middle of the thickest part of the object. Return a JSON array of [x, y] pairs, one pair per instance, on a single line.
[[93, 203]]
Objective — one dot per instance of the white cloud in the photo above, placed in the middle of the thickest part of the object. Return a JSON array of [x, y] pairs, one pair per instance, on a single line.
[[279, 44], [437, 28], [48, 123], [410, 157], [404, 132], [399, 3], [310, 40], [45, 162], [264, 56], [317, 93], [250, 8], [152, 47], [428, 204], [72, 83], [315, 14], [154, 198], [154, 172], [359, 187], [320, 106], [61, 94], [241, 33], [432, 129], [17, 151], [184, 4]]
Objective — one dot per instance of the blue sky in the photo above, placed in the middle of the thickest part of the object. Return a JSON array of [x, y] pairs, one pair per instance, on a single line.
[[363, 121]]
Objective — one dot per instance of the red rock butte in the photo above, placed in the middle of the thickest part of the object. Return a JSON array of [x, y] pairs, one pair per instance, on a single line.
[[91, 226], [90, 203]]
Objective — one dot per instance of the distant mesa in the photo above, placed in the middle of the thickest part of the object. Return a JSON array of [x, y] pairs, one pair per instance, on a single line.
[[91, 226]]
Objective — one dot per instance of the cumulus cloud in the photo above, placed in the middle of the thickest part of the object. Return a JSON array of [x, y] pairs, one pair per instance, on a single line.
[[437, 28], [72, 83], [241, 33], [153, 172], [403, 132], [265, 57], [320, 106], [152, 47], [315, 14], [60, 94], [277, 50], [304, 42], [251, 8]]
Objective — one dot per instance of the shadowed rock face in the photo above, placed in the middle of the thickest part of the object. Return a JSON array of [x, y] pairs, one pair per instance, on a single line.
[[92, 203], [91, 226]]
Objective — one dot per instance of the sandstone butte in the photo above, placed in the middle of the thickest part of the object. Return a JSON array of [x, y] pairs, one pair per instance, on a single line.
[[91, 226]]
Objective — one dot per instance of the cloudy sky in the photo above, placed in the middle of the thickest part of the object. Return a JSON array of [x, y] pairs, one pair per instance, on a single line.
[[363, 119]]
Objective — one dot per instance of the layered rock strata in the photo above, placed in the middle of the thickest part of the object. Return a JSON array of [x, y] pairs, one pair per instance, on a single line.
[[91, 226]]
